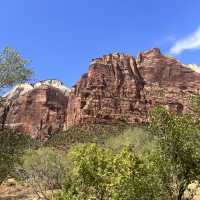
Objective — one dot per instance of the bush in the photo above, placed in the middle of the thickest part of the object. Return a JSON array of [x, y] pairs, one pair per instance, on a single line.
[[139, 139], [100, 174], [12, 147], [96, 133], [179, 142], [44, 169]]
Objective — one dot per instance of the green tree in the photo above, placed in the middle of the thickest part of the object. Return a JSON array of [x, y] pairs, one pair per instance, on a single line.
[[100, 174], [195, 106], [12, 147], [13, 68], [179, 141]]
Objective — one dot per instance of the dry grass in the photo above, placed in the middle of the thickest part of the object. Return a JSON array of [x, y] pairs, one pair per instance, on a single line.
[[12, 190]]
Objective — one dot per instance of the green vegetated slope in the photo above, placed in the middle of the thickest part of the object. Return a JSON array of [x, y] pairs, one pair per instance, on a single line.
[[101, 161], [85, 134], [110, 162]]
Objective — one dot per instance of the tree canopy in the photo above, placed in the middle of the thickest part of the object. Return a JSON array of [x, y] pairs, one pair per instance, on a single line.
[[179, 142], [13, 68]]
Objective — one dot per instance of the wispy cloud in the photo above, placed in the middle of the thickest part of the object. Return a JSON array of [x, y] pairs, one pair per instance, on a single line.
[[192, 41]]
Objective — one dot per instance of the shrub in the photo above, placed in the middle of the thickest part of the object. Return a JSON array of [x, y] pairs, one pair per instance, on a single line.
[[12, 147], [44, 169], [179, 142], [139, 139], [96, 133], [100, 174]]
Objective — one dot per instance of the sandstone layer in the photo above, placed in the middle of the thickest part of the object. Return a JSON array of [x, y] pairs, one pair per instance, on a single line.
[[38, 110], [117, 88]]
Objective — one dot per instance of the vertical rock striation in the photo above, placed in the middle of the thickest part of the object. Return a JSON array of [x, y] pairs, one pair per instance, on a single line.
[[117, 88], [38, 110], [110, 91]]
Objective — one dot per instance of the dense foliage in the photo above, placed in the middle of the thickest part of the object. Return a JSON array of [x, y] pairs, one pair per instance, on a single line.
[[158, 164], [179, 141], [13, 68], [103, 162], [99, 173], [12, 147], [97, 133]]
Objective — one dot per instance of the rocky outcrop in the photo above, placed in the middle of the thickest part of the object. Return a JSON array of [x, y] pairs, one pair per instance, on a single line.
[[38, 110], [110, 91], [117, 88], [167, 81]]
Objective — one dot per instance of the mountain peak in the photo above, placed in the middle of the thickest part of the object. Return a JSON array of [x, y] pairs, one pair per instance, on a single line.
[[153, 51], [116, 88]]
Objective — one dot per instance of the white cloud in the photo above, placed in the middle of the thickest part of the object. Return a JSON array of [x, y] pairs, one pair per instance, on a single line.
[[190, 42]]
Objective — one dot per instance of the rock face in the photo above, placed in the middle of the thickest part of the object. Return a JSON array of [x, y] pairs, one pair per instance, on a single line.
[[167, 81], [37, 109], [117, 87], [110, 91]]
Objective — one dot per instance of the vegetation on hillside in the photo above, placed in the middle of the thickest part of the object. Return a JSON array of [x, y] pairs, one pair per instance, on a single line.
[[99, 173], [104, 162], [12, 147], [13, 70], [178, 138], [96, 133], [158, 162], [44, 169]]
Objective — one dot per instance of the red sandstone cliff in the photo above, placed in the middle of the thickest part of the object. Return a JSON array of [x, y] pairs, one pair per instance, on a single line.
[[39, 111], [117, 87], [120, 87]]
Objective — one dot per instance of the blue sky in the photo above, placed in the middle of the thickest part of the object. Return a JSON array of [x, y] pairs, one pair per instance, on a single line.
[[62, 36]]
